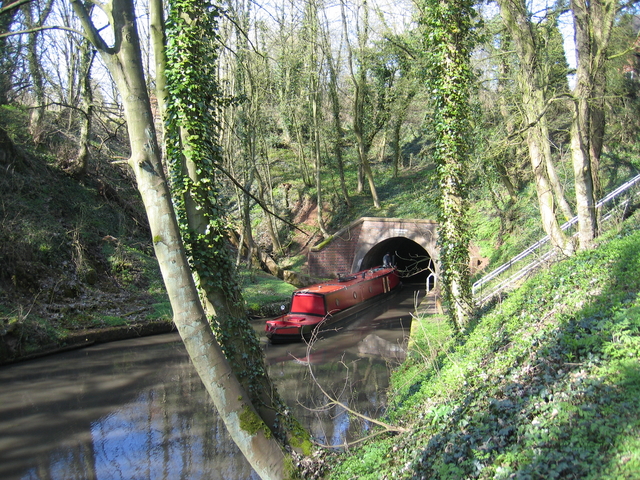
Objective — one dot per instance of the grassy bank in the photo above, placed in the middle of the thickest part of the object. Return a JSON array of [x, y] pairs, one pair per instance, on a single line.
[[546, 385]]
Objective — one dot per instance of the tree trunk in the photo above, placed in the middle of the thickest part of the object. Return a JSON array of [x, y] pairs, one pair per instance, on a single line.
[[368, 173], [362, 141], [35, 70], [515, 17], [314, 87], [192, 153], [79, 168], [448, 62], [302, 161], [318, 156], [7, 63], [363, 137], [337, 121], [125, 65], [272, 223], [246, 221], [593, 22], [395, 141], [544, 192], [555, 181], [265, 195], [158, 40]]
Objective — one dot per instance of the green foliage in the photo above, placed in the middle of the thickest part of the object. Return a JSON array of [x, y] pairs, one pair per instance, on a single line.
[[413, 194], [49, 217], [365, 464], [502, 230], [296, 262], [262, 291], [623, 87], [302, 441], [73, 255], [127, 264], [161, 308], [544, 386]]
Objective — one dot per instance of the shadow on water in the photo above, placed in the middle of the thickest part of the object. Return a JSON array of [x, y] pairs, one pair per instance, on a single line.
[[137, 409], [132, 409]]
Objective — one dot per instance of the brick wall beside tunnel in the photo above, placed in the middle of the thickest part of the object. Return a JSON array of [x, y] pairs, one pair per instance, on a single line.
[[336, 257]]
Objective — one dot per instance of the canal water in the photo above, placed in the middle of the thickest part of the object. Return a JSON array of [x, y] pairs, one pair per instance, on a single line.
[[136, 409]]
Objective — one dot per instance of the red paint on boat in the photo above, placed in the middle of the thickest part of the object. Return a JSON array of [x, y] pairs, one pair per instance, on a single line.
[[325, 303]]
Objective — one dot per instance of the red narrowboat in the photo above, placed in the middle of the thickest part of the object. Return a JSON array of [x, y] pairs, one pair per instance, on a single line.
[[329, 302]]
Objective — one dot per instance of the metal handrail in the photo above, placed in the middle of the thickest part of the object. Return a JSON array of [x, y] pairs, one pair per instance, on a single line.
[[432, 276], [518, 275], [532, 265]]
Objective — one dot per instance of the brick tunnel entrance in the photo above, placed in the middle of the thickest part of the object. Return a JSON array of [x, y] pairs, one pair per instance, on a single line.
[[413, 261], [363, 243]]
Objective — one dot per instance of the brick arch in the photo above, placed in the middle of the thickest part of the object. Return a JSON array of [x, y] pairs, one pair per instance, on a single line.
[[360, 245]]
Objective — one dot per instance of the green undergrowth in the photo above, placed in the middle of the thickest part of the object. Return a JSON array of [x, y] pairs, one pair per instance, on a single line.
[[75, 253], [501, 232], [263, 294], [504, 226], [545, 385]]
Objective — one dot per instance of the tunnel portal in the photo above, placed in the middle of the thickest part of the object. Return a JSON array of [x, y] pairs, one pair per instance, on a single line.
[[413, 261], [364, 242]]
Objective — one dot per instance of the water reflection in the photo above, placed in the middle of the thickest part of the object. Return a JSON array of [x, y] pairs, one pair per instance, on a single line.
[[127, 410], [137, 410]]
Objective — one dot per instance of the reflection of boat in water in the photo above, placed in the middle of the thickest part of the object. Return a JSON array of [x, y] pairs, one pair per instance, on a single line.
[[375, 346], [329, 302], [371, 345]]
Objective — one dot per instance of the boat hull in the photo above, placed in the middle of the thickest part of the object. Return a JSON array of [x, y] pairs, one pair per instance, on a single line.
[[323, 304]]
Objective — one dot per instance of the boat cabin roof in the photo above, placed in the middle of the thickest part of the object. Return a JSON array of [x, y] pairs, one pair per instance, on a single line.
[[345, 282]]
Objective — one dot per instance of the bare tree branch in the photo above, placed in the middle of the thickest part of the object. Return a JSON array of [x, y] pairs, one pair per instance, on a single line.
[[92, 33], [13, 5], [39, 29], [333, 402], [262, 205]]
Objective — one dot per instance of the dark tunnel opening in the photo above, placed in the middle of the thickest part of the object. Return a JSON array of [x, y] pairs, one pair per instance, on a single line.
[[413, 262]]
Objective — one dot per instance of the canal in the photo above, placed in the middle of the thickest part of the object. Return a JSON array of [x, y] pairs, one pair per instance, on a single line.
[[136, 409]]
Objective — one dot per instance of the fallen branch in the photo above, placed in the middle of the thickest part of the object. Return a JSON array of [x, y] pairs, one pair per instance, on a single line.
[[333, 402]]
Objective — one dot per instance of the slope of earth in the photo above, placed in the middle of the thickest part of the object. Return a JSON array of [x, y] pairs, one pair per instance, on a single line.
[[545, 385], [76, 262], [76, 265]]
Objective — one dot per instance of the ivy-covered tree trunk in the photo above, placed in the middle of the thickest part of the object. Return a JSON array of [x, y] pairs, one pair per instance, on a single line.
[[192, 131], [448, 28], [124, 61]]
